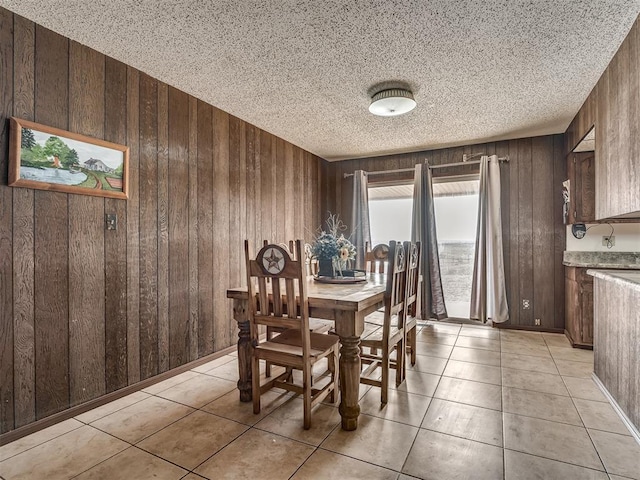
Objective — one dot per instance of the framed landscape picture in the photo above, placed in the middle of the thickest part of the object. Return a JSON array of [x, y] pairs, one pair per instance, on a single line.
[[48, 158]]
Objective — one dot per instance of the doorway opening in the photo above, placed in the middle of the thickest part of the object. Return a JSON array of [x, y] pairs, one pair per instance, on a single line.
[[456, 209]]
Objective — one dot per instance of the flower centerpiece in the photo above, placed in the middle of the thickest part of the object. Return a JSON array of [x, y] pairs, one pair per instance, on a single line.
[[332, 249]]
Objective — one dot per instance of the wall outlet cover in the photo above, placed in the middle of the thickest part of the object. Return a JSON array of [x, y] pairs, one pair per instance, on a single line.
[[608, 241]]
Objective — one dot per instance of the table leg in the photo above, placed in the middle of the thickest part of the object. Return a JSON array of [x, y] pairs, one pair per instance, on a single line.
[[349, 381], [244, 349]]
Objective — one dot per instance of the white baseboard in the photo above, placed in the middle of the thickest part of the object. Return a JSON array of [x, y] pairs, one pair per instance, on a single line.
[[623, 416]]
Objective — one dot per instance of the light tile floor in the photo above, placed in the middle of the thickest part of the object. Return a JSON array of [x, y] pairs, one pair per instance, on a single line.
[[480, 403]]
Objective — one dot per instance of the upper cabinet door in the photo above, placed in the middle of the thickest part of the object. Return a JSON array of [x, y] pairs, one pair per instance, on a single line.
[[585, 181], [582, 176]]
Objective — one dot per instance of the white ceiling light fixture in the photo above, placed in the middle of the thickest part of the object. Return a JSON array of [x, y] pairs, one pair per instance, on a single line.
[[392, 102]]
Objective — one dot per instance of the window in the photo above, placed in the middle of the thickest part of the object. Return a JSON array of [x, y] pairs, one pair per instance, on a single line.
[[390, 209]]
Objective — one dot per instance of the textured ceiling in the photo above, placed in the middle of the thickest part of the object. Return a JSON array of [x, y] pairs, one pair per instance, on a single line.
[[304, 70]]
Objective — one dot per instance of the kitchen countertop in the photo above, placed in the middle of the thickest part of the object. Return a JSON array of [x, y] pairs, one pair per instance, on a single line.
[[622, 260], [628, 279]]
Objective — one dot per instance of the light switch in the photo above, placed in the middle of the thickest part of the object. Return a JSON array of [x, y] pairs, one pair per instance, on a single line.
[[111, 221]]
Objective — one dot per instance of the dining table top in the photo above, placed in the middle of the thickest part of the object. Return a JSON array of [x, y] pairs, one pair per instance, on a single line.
[[336, 296]]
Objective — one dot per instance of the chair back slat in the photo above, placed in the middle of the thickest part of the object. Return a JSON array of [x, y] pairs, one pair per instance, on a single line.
[[276, 297], [413, 276], [291, 302], [263, 297]]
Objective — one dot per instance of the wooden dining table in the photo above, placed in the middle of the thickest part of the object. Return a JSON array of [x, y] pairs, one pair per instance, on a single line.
[[347, 304]]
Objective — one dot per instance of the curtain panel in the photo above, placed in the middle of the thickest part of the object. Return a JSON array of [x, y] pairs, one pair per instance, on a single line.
[[361, 229], [423, 230], [488, 290]]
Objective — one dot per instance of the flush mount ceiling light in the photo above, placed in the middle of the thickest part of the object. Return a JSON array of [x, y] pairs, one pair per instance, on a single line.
[[392, 102]]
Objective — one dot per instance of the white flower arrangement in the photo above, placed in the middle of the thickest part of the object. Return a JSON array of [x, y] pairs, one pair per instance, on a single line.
[[331, 244]]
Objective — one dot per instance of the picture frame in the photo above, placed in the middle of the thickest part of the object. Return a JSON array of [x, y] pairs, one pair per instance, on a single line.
[[48, 158]]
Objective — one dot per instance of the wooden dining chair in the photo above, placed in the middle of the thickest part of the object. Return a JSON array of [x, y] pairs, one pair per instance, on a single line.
[[390, 336], [317, 325], [376, 259], [412, 297], [282, 303]]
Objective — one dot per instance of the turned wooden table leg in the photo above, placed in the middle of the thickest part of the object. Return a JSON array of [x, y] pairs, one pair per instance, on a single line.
[[349, 381], [244, 349]]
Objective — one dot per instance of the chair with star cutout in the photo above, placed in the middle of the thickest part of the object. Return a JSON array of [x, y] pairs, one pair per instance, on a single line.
[[317, 325], [282, 303], [391, 335]]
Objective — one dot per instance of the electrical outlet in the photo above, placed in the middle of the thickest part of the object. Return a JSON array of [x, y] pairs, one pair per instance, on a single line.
[[526, 304], [537, 322], [608, 241]]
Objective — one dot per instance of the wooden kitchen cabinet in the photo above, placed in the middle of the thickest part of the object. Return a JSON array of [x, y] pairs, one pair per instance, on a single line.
[[581, 168], [579, 307]]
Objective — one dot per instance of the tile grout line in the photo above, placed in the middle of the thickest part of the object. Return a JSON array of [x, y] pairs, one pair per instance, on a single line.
[[556, 460], [406, 458], [553, 359], [46, 441], [316, 447], [115, 411], [572, 402], [137, 448], [430, 406]]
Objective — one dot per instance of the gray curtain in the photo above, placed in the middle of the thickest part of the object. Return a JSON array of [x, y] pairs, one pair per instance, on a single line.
[[488, 292], [423, 230], [360, 216]]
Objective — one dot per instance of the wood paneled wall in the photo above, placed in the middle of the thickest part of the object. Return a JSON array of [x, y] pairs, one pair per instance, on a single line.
[[85, 311], [533, 230], [614, 108]]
